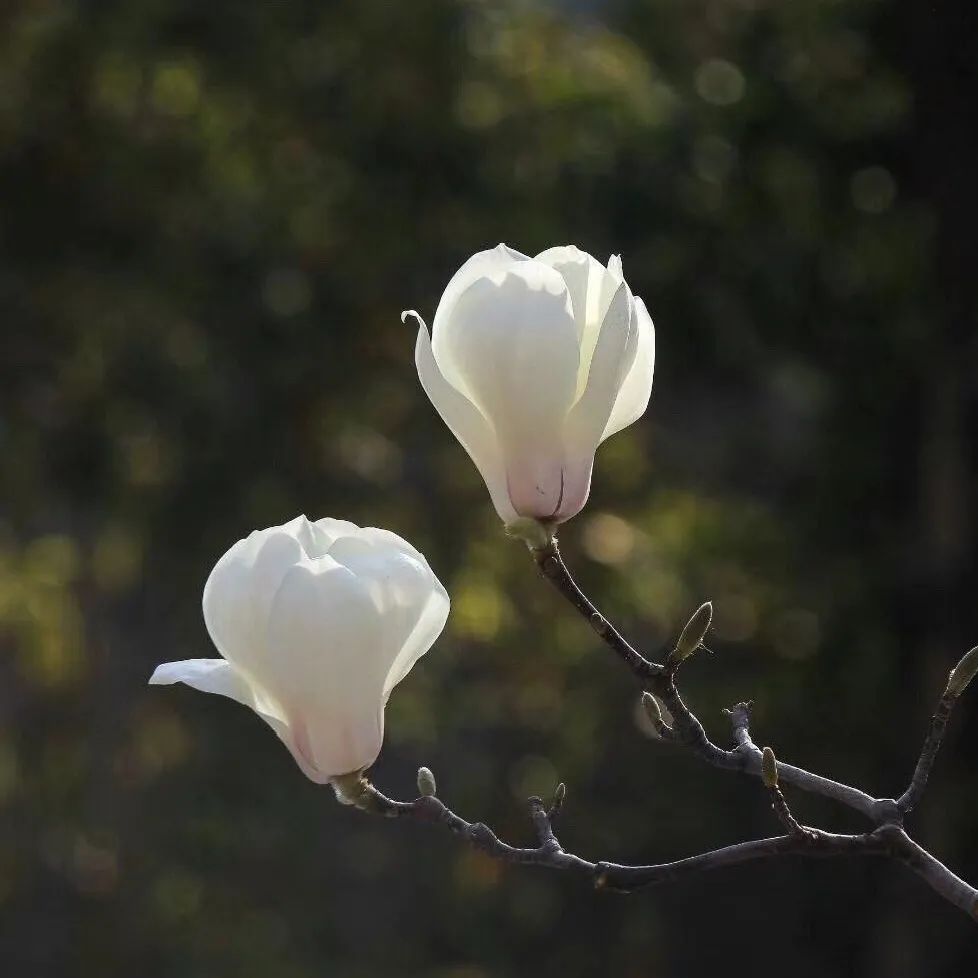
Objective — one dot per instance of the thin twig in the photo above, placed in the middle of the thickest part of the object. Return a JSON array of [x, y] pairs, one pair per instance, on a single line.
[[687, 729], [951, 887], [932, 744], [747, 757], [555, 570], [815, 844], [886, 840]]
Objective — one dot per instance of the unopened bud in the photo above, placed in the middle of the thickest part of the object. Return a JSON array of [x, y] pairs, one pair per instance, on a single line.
[[560, 793], [963, 673], [769, 768], [426, 782], [693, 634], [651, 706]]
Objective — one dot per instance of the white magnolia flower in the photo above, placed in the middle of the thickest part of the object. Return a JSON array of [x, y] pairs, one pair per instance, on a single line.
[[532, 363], [317, 623]]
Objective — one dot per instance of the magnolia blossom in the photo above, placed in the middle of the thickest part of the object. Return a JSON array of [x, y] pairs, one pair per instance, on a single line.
[[532, 363], [317, 623]]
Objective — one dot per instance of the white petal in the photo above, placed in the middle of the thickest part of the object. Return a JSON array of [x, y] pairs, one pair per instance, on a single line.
[[331, 529], [220, 677], [428, 627], [314, 538], [239, 592], [511, 342], [207, 675], [636, 388], [412, 604], [328, 666], [612, 357], [578, 269], [387, 538], [592, 287], [494, 261], [466, 423]]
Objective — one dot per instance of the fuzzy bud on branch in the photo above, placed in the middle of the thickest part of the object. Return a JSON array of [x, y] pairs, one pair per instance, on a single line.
[[427, 787], [962, 673], [769, 768], [691, 637]]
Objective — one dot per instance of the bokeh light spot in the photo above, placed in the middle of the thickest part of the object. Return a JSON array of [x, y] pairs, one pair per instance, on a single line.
[[873, 189], [720, 82]]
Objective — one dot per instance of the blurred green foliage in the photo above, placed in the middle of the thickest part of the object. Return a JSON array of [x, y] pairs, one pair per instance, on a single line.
[[212, 216]]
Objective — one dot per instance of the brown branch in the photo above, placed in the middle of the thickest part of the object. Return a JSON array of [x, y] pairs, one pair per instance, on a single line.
[[932, 744], [886, 840], [687, 729], [815, 844], [940, 879], [554, 569], [748, 758]]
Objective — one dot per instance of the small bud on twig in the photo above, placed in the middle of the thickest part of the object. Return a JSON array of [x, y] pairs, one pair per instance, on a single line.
[[651, 706], [962, 673], [426, 783], [653, 713], [560, 793], [769, 768], [691, 637]]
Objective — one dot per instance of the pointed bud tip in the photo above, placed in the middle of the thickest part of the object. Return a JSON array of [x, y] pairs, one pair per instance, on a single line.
[[426, 782], [692, 635], [769, 768], [962, 674]]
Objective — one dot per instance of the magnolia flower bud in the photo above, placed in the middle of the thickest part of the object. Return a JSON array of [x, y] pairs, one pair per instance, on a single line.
[[560, 795], [532, 363], [426, 782], [963, 673], [692, 635], [769, 768], [317, 623], [651, 706]]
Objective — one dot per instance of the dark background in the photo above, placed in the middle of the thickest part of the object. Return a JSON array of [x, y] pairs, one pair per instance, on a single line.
[[211, 215]]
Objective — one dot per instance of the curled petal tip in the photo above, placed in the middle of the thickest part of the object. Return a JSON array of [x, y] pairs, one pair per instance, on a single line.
[[411, 312]]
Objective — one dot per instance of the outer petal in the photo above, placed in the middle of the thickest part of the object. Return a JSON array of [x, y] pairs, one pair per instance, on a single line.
[[220, 677], [592, 287], [512, 343], [314, 538], [328, 665], [494, 261], [428, 627], [239, 592], [613, 354], [505, 333], [465, 422], [412, 604], [332, 529], [636, 388]]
